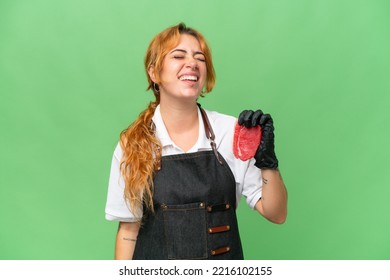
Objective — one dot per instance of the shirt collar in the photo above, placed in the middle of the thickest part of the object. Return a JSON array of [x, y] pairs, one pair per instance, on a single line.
[[162, 133]]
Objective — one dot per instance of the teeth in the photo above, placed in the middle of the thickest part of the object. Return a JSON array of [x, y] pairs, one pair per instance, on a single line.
[[188, 77]]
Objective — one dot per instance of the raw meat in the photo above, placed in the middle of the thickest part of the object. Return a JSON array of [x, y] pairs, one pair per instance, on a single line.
[[246, 141]]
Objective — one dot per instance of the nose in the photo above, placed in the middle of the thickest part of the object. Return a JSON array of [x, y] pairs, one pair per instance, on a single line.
[[192, 63]]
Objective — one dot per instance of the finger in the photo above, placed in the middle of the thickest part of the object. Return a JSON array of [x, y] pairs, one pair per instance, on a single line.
[[241, 117], [265, 119], [248, 118], [256, 118], [245, 118]]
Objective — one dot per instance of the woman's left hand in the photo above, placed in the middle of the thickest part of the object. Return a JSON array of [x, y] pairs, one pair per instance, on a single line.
[[265, 155]]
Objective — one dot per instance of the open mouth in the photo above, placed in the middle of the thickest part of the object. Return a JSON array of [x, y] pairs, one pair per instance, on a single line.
[[191, 78]]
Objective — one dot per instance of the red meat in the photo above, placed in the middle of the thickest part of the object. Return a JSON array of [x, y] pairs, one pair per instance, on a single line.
[[246, 141]]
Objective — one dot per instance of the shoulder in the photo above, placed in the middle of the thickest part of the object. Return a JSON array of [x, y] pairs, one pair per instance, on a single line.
[[217, 117], [221, 123], [118, 152], [223, 126]]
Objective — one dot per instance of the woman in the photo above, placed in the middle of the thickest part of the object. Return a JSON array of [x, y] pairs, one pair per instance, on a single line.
[[175, 183]]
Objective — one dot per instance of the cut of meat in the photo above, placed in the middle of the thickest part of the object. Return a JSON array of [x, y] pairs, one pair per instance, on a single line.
[[246, 141]]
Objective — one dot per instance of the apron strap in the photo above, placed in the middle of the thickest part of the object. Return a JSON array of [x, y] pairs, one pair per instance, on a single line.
[[209, 133]]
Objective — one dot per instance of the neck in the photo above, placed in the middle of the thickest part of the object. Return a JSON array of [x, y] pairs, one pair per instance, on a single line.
[[179, 118]]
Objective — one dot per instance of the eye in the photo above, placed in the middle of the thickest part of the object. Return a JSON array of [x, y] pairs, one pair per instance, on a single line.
[[202, 59], [178, 57]]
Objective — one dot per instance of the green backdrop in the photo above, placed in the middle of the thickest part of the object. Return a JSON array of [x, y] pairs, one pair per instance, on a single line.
[[72, 77]]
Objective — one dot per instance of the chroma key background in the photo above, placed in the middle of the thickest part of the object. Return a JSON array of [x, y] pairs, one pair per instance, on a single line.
[[72, 78]]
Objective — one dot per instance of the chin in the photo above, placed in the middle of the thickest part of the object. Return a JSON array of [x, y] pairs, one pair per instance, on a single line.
[[191, 93], [193, 97]]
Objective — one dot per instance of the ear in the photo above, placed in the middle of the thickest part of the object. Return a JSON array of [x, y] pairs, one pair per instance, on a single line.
[[151, 74]]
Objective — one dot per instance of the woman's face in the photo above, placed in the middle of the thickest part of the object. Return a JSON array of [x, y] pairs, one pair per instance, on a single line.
[[184, 72]]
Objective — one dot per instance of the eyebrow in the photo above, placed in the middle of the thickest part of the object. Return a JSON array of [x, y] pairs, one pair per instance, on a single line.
[[184, 51]]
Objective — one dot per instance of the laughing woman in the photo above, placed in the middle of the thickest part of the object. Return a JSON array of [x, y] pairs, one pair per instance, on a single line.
[[175, 181]]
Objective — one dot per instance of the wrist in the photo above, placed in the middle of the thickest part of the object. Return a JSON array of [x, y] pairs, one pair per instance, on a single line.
[[267, 164]]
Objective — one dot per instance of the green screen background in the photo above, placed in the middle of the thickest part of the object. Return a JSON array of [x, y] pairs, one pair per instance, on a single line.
[[72, 77]]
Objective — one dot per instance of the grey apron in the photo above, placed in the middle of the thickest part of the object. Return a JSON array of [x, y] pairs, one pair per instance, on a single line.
[[194, 202]]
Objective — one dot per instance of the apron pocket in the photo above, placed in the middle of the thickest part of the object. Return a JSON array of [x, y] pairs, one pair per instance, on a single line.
[[185, 230]]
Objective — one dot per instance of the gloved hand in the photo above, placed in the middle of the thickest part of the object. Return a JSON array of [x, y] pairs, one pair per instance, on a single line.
[[265, 155]]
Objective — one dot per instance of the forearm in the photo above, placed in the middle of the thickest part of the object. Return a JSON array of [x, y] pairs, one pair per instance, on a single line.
[[126, 239], [273, 203]]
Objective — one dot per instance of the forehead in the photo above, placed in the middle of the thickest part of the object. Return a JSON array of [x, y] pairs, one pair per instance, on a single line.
[[188, 42]]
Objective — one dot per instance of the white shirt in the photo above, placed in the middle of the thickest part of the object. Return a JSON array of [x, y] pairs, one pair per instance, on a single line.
[[247, 176]]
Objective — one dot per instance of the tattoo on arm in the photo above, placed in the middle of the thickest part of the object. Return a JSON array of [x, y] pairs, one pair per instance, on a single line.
[[265, 181]]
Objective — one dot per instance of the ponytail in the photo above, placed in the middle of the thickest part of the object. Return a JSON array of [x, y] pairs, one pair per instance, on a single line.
[[141, 157]]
